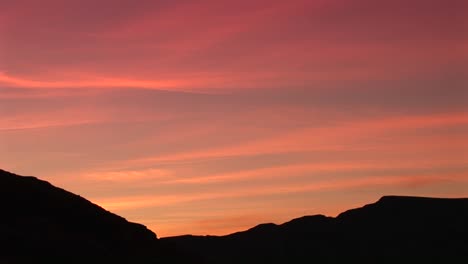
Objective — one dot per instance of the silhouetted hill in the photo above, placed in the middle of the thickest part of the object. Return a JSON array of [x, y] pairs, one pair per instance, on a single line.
[[40, 222], [392, 230]]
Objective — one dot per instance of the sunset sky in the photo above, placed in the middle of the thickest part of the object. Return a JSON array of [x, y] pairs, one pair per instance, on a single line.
[[212, 116]]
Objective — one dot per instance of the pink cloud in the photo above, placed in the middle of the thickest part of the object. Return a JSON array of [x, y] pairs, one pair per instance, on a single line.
[[253, 90], [246, 44], [133, 202], [321, 138]]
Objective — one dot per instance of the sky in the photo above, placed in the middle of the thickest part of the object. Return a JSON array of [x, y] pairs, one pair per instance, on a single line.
[[209, 117]]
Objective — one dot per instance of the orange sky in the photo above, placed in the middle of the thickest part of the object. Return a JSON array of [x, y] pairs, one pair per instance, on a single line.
[[209, 117]]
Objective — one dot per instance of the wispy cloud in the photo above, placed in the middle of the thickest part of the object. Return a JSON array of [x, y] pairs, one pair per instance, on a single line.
[[145, 105], [133, 202], [336, 137]]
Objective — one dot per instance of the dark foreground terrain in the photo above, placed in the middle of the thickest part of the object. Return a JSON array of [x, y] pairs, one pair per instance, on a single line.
[[40, 223]]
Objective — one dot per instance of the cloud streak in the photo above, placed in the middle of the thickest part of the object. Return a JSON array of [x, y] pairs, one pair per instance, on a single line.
[[247, 44], [125, 203], [320, 138], [270, 106]]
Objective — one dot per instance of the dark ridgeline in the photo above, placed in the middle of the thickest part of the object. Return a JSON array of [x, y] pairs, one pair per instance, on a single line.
[[40, 222], [43, 223], [393, 230]]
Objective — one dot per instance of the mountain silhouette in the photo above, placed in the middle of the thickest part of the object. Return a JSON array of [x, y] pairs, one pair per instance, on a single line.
[[40, 223], [395, 229]]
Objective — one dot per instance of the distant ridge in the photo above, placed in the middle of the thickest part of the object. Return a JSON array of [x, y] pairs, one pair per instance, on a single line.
[[395, 229]]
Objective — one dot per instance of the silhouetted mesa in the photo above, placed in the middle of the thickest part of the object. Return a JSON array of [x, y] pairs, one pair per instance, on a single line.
[[42, 223]]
